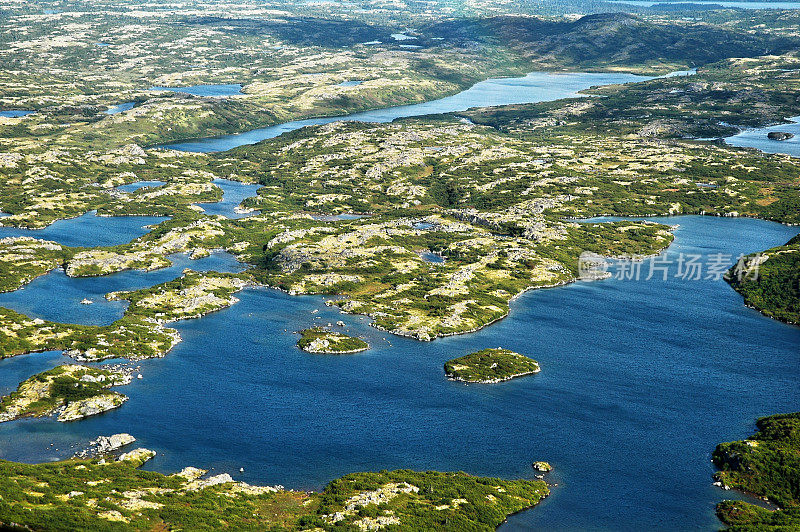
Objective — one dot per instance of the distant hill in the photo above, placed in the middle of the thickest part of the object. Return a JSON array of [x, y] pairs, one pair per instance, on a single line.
[[611, 39]]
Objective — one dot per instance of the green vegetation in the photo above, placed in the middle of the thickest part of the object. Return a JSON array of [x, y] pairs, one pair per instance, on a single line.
[[71, 391], [770, 281], [489, 366], [320, 340], [99, 495], [22, 259], [766, 464]]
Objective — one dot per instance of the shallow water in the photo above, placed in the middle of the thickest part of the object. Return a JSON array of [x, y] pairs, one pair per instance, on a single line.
[[757, 138], [640, 380], [90, 230], [535, 87]]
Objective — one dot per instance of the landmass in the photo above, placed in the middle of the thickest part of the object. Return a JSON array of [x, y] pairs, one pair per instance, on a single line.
[[70, 392], [770, 281], [490, 366], [103, 494], [321, 340], [767, 465]]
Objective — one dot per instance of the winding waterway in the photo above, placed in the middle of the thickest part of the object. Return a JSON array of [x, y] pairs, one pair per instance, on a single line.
[[535, 87], [640, 380]]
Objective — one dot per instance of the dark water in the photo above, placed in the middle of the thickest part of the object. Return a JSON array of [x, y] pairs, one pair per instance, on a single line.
[[757, 138], [535, 87], [38, 298], [205, 90], [90, 230], [639, 381]]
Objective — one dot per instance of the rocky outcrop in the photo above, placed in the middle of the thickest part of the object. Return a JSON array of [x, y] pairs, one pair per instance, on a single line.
[[779, 135]]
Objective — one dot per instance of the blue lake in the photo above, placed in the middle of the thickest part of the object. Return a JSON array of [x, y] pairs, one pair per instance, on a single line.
[[133, 187], [757, 138], [57, 297], [205, 90], [119, 108], [337, 217], [15, 114], [640, 380], [233, 192], [90, 230], [535, 87]]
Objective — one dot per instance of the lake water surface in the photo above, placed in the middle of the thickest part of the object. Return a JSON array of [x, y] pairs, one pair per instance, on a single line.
[[90, 230]]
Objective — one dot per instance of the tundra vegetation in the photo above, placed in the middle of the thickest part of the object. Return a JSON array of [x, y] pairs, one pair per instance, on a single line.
[[767, 464], [321, 340], [489, 366]]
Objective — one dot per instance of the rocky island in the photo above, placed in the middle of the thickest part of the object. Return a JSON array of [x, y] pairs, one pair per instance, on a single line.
[[779, 135], [321, 340], [115, 495], [490, 366], [70, 391]]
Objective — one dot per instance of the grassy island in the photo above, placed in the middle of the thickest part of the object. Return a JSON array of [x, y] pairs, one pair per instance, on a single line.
[[320, 340], [71, 391], [490, 366], [767, 464], [773, 284], [116, 495]]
